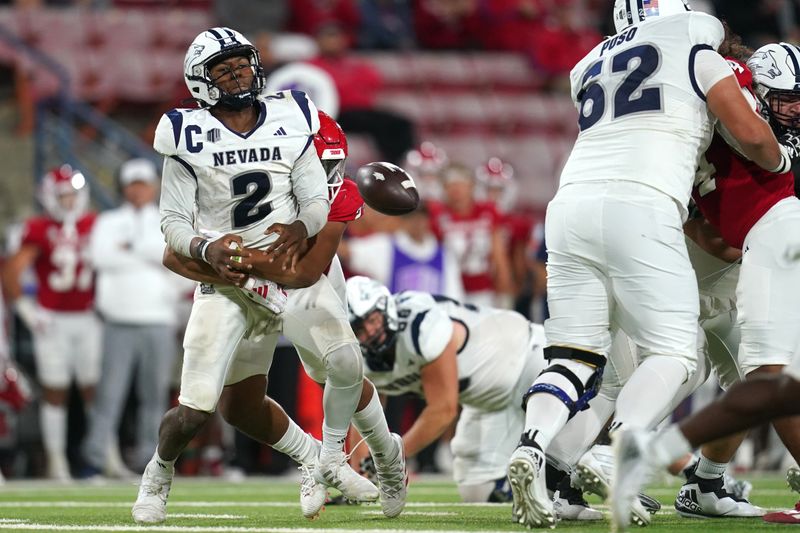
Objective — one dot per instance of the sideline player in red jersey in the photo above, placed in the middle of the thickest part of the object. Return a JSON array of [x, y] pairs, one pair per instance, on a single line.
[[66, 334], [756, 211], [243, 403], [472, 231]]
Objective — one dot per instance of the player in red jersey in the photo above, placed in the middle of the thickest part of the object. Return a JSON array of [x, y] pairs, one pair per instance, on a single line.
[[65, 331], [498, 186], [243, 403], [473, 233], [756, 211]]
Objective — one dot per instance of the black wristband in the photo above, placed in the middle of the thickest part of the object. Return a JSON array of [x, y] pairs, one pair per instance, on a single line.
[[201, 250]]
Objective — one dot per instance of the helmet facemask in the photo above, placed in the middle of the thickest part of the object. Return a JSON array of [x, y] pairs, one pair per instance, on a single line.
[[379, 348], [772, 102], [246, 96], [334, 170]]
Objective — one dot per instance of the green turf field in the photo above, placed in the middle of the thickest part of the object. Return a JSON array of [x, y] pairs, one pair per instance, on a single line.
[[271, 504]]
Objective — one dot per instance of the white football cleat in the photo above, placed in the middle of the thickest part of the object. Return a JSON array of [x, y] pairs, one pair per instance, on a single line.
[[312, 493], [594, 474], [704, 498], [393, 481], [631, 472], [532, 506], [151, 502], [570, 504], [335, 472]]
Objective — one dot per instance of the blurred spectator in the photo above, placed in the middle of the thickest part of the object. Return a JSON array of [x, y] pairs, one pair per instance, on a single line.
[[424, 164], [358, 83], [409, 259], [448, 24], [386, 25], [308, 16], [66, 333], [15, 390], [496, 185], [137, 298], [252, 16], [472, 231], [565, 36], [510, 23]]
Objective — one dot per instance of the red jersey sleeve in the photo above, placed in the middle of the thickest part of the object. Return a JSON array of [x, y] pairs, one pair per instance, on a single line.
[[742, 73], [348, 204], [34, 233]]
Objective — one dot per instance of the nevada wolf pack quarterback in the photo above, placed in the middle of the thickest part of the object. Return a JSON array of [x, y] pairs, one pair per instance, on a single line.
[[646, 100], [242, 165]]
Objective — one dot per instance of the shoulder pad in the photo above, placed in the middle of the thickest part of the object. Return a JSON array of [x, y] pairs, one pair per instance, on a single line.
[[705, 29], [429, 327], [168, 132]]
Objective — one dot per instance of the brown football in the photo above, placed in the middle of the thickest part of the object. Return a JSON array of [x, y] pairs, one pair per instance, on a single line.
[[387, 188]]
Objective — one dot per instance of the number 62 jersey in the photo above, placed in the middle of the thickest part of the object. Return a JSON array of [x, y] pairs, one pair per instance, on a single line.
[[641, 109], [501, 347], [239, 182]]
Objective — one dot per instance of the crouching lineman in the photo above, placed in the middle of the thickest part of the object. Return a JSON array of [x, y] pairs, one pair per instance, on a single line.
[[452, 354]]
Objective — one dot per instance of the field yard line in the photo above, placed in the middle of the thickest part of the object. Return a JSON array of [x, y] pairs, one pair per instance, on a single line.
[[220, 529], [206, 515], [172, 505]]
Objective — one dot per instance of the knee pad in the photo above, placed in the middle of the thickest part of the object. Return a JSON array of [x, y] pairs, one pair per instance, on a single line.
[[344, 366], [585, 390]]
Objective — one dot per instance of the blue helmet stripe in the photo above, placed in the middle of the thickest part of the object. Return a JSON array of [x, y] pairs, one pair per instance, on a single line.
[[640, 10], [215, 33], [795, 57], [628, 12]]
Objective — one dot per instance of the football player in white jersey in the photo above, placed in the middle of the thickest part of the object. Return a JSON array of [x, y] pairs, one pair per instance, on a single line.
[[451, 354], [317, 300], [242, 165], [646, 98]]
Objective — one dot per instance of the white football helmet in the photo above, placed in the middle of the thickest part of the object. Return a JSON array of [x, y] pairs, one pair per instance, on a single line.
[[364, 296], [632, 12], [776, 76], [59, 183], [208, 49]]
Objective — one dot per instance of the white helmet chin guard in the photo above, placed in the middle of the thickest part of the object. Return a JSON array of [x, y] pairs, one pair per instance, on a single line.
[[776, 73], [211, 47], [631, 12]]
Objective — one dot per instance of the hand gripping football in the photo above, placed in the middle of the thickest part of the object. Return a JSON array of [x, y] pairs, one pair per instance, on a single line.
[[387, 188]]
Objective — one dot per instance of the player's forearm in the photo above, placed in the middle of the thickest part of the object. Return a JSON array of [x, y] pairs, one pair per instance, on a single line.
[[303, 276], [429, 426], [190, 268]]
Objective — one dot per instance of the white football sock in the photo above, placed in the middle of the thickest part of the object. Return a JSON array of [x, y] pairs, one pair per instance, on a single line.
[[54, 429], [340, 398], [669, 445], [581, 431], [297, 444], [371, 423], [649, 390], [546, 415], [162, 465], [708, 469]]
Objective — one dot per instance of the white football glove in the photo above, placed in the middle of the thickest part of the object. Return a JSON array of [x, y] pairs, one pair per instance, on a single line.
[[267, 293], [35, 318]]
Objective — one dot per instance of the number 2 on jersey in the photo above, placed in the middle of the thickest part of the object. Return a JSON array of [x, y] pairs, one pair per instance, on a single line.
[[253, 187], [631, 95]]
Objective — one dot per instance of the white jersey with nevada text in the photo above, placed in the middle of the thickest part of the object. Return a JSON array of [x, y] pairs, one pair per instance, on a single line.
[[221, 180], [490, 362], [641, 112]]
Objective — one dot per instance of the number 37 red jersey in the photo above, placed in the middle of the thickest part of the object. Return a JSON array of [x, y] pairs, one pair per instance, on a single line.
[[63, 272]]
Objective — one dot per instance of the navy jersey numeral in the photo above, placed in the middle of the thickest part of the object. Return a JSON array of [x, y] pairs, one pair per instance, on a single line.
[[252, 187], [632, 95]]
